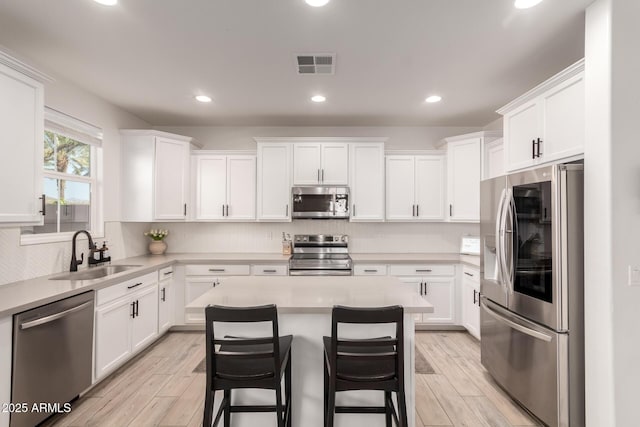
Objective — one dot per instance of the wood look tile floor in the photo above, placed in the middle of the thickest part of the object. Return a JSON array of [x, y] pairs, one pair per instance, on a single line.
[[159, 388]]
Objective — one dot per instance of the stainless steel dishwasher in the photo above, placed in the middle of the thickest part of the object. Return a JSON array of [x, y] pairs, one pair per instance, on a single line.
[[52, 354]]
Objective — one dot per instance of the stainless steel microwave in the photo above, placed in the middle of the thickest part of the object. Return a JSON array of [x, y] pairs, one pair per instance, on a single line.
[[320, 202]]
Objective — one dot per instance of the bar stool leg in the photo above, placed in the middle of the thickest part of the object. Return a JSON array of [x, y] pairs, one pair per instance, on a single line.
[[287, 391], [402, 408], [279, 410], [208, 408], [331, 404], [326, 390], [387, 408], [227, 409]]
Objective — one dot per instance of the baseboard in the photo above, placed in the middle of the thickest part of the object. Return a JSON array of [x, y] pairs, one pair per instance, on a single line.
[[187, 328], [424, 327]]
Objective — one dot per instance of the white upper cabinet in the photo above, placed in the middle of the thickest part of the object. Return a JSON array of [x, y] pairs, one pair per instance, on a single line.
[[320, 163], [366, 181], [463, 172], [225, 187], [275, 162], [493, 158], [547, 123], [21, 140], [171, 189], [154, 176], [415, 187]]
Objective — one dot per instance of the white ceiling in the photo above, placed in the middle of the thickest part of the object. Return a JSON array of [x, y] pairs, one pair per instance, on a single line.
[[150, 57]]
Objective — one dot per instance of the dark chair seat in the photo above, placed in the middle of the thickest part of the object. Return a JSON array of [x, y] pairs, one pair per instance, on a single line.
[[362, 369], [251, 368]]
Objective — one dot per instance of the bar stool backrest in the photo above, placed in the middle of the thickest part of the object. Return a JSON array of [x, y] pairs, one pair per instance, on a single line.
[[220, 363], [374, 348]]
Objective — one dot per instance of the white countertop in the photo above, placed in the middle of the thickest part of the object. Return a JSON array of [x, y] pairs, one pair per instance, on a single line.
[[312, 294], [26, 294]]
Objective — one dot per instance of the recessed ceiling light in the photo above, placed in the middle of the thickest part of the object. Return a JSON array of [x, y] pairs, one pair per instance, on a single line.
[[316, 3], [525, 4], [107, 2], [203, 98], [433, 98], [318, 98]]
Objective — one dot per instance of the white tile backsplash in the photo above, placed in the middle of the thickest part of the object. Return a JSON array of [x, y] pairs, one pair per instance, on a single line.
[[21, 262], [364, 237]]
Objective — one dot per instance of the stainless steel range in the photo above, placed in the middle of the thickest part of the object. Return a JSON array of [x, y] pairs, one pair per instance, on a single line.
[[320, 255]]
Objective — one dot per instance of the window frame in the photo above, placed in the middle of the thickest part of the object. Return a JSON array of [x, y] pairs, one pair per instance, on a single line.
[[96, 214]]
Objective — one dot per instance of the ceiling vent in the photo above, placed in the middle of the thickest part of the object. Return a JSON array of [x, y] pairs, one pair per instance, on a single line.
[[316, 63]]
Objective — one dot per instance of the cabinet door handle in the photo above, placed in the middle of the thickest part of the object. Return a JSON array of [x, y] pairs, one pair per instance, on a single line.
[[413, 210], [425, 287], [164, 294], [370, 271], [538, 150], [318, 175], [468, 274], [450, 210], [133, 310], [417, 210], [227, 210], [533, 149], [269, 271], [286, 210], [136, 308], [185, 209], [134, 286], [222, 210], [354, 209], [423, 270], [217, 270], [474, 296], [322, 176], [43, 211]]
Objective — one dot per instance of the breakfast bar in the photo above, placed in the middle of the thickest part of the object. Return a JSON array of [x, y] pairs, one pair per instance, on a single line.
[[304, 311]]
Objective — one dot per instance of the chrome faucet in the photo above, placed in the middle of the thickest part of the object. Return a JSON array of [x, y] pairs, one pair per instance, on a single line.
[[74, 261]]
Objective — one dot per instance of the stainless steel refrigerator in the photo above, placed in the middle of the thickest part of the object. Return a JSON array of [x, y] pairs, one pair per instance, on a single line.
[[532, 303]]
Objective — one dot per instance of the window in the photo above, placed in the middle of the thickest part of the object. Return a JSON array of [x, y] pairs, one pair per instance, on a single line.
[[71, 156]]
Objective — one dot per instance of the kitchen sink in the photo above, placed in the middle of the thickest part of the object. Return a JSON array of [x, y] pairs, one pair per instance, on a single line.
[[95, 273]]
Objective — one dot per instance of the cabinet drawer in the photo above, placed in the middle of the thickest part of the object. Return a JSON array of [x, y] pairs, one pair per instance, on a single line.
[[470, 273], [165, 273], [370, 270], [269, 270], [422, 270], [218, 270], [130, 286]]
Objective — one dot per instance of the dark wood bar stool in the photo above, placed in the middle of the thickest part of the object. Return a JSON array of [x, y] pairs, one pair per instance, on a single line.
[[365, 364], [242, 362]]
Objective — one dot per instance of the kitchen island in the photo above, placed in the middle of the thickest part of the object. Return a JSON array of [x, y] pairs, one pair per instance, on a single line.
[[304, 311]]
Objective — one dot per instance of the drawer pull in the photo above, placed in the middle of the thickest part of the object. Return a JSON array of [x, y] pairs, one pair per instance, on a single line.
[[423, 271], [468, 274], [218, 270], [370, 271], [168, 273], [134, 286], [269, 271]]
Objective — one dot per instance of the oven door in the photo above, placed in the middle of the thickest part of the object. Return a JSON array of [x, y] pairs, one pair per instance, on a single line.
[[528, 360], [531, 230]]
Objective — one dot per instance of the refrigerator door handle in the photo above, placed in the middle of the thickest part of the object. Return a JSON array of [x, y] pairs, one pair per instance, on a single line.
[[509, 233], [518, 327], [504, 236], [499, 236]]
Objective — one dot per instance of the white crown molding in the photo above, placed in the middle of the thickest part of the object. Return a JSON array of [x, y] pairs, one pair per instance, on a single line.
[[24, 68], [320, 139], [562, 76], [487, 134], [223, 152], [161, 134], [414, 152]]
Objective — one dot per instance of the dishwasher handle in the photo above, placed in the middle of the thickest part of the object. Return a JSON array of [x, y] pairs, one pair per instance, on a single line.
[[56, 316]]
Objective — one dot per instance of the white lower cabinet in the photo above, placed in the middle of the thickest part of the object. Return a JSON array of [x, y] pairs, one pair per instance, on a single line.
[[201, 278], [126, 324], [5, 367], [436, 284], [166, 299], [471, 300]]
